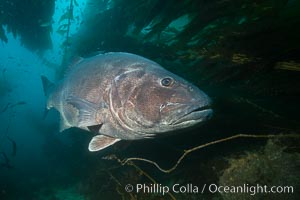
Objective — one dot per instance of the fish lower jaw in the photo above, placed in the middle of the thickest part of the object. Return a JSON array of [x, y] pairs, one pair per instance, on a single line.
[[188, 123], [193, 118]]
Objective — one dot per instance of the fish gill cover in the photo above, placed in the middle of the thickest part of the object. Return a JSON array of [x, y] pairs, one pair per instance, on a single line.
[[243, 54]]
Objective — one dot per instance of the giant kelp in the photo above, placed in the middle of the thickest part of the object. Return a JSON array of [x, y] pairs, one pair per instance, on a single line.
[[224, 41], [30, 19]]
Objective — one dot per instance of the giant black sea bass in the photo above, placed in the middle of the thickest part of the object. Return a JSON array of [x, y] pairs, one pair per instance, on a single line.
[[122, 96]]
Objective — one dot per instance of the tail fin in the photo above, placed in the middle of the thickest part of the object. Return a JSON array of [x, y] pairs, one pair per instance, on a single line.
[[47, 85]]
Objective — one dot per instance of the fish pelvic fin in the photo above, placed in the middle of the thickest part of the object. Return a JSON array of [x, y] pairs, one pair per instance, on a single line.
[[100, 142]]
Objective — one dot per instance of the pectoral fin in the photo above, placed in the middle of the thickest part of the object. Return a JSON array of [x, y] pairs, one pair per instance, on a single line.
[[100, 142], [87, 111]]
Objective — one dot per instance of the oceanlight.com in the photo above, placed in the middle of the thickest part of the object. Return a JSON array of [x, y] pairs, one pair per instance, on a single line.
[[211, 188], [250, 189]]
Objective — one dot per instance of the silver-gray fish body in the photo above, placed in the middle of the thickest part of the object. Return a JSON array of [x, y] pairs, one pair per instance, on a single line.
[[128, 97]]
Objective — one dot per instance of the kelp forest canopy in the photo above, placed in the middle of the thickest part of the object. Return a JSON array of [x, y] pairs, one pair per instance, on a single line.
[[29, 19]]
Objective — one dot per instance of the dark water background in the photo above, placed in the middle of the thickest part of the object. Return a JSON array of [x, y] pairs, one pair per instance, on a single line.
[[243, 54]]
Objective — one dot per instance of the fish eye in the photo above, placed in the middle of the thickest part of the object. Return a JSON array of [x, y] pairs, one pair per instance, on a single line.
[[167, 81]]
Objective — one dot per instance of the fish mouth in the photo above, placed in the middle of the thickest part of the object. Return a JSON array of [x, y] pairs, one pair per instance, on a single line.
[[194, 115]]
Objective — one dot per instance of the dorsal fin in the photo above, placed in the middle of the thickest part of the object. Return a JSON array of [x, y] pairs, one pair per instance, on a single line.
[[72, 63], [75, 61], [95, 53]]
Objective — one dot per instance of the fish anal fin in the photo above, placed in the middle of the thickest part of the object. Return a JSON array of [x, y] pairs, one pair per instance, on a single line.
[[100, 142]]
